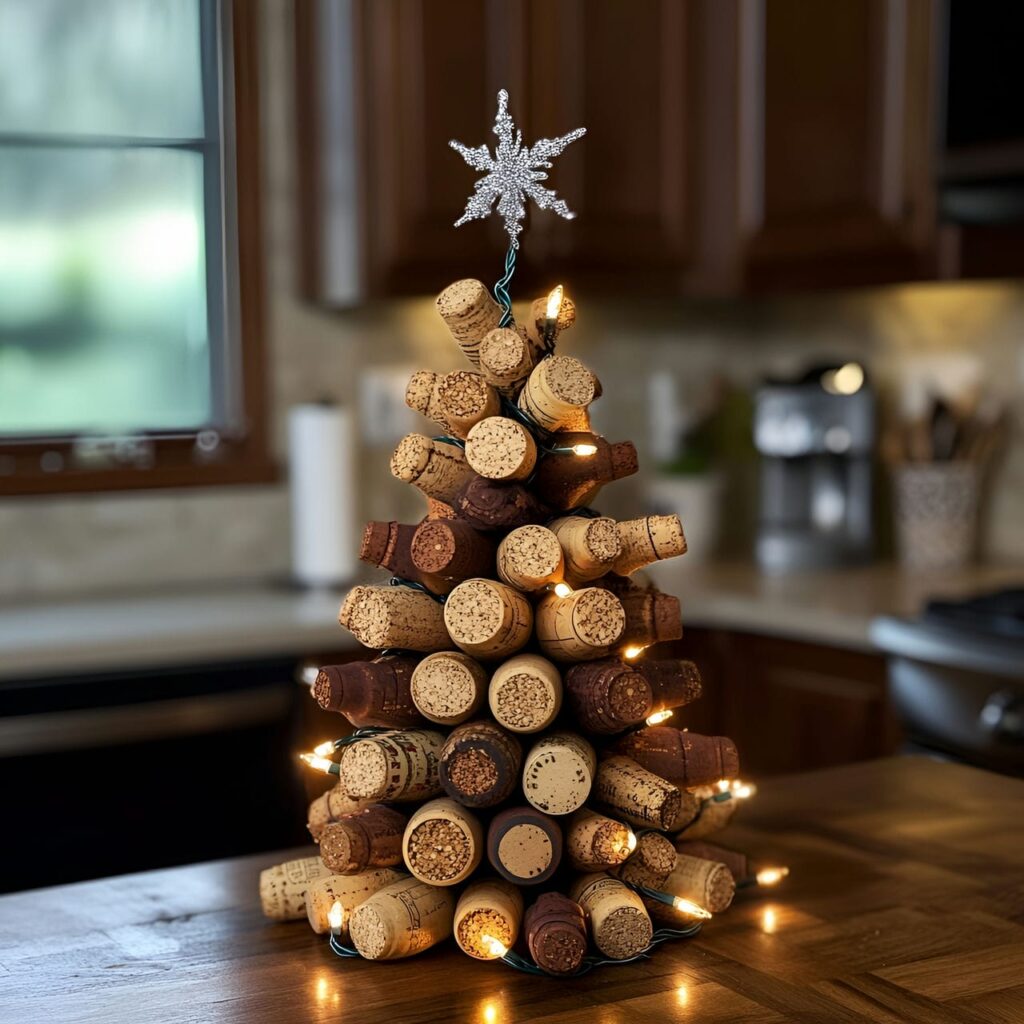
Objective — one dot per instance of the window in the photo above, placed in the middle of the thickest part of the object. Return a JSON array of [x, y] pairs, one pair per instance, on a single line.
[[129, 323]]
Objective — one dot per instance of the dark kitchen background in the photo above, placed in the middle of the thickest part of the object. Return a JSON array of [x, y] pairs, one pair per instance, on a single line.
[[796, 262]]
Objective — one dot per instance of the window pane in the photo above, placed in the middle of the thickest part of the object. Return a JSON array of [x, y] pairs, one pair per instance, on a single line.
[[109, 67], [103, 320]]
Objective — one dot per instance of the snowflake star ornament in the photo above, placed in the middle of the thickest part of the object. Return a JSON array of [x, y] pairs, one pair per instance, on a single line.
[[514, 174]]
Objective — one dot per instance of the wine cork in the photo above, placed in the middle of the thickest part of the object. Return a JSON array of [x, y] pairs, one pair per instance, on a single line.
[[470, 312], [580, 627], [524, 846], [737, 862], [537, 320], [480, 764], [448, 551], [402, 919], [619, 922], [714, 812], [330, 806], [283, 887], [589, 546], [399, 617], [648, 540], [530, 558], [607, 696], [349, 891], [488, 619], [707, 883], [634, 793], [438, 469], [421, 395], [651, 617], [499, 448], [651, 862], [507, 359], [448, 687], [466, 399], [443, 843], [683, 758], [556, 933], [674, 682], [556, 390], [370, 693], [491, 909], [370, 838], [397, 766], [491, 505], [558, 773], [689, 808], [389, 546], [439, 509], [595, 842], [525, 693], [570, 481]]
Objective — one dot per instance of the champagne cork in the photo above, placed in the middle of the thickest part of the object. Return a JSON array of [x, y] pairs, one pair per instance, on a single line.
[[634, 793], [389, 546], [653, 860], [480, 764], [398, 617], [443, 843], [525, 693], [499, 448], [524, 846], [737, 863], [537, 320], [648, 540], [589, 545], [556, 933], [349, 891], [707, 883], [580, 627], [370, 838], [507, 359], [556, 390], [570, 481], [651, 617], [421, 395], [488, 619], [607, 696], [437, 468], [683, 758], [370, 693], [558, 773], [530, 558], [714, 812], [402, 919], [595, 842], [470, 312], [398, 766], [466, 399], [449, 551], [489, 909], [674, 682], [490, 505], [619, 922], [448, 687], [283, 887], [330, 806]]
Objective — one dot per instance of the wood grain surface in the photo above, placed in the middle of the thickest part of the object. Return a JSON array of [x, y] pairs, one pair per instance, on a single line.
[[905, 903]]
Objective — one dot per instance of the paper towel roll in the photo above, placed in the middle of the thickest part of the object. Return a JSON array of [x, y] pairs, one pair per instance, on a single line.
[[321, 458]]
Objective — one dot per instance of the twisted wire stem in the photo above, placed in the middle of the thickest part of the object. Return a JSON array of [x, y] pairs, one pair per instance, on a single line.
[[501, 288]]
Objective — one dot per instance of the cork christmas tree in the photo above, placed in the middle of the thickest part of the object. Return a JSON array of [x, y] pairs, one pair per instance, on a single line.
[[519, 776]]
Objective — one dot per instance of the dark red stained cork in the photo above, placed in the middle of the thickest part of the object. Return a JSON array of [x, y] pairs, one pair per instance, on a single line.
[[517, 849], [450, 551], [674, 682], [684, 758], [556, 933], [607, 696], [651, 617], [490, 505], [480, 764], [387, 546], [737, 863], [369, 693], [569, 481], [370, 838]]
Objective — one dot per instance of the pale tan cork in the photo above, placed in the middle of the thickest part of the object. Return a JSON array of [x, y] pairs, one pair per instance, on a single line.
[[501, 449], [619, 922], [707, 883], [648, 540], [349, 891], [525, 693], [530, 558], [448, 687], [488, 909], [466, 399], [393, 766], [438, 469], [506, 360], [283, 887], [488, 619], [558, 773], [580, 627], [595, 842], [634, 793], [329, 807], [443, 843], [589, 546], [653, 860], [469, 310], [421, 395], [557, 389], [394, 617], [713, 815], [402, 919]]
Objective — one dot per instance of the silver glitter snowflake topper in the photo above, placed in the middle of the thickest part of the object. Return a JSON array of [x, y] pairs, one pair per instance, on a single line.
[[514, 174]]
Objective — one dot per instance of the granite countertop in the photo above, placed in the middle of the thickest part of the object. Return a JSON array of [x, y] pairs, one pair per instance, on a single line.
[[126, 632]]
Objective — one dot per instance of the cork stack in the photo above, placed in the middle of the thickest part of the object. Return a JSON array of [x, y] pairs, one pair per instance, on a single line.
[[580, 627], [394, 617], [488, 619], [530, 558], [370, 838], [507, 360], [448, 687], [449, 551], [556, 933], [590, 546], [470, 313], [437, 468], [466, 399], [501, 449]]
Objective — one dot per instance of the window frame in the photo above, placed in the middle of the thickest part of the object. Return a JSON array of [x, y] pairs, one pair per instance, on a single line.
[[235, 451]]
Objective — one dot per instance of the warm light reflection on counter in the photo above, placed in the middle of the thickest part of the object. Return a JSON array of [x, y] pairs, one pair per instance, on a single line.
[[682, 995], [489, 1013], [769, 921]]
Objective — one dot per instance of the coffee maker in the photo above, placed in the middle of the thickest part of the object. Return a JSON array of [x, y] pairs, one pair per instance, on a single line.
[[815, 436]]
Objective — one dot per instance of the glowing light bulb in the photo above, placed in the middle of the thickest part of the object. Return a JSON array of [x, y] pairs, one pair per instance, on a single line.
[[632, 651], [495, 947], [723, 785], [743, 790], [554, 303], [336, 917], [325, 748], [584, 449], [658, 717], [691, 908], [847, 379], [631, 842], [320, 764], [562, 589], [771, 876]]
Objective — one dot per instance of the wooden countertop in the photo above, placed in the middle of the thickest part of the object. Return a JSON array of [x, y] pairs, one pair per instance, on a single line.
[[905, 903]]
